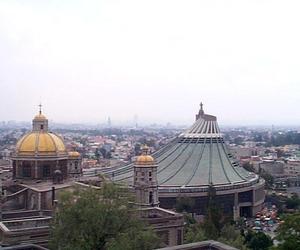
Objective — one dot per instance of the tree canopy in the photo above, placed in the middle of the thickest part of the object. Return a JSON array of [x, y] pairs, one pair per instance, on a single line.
[[258, 240], [289, 233], [99, 219]]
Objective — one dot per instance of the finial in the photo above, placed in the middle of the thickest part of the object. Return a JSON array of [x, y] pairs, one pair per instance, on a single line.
[[40, 106], [201, 112], [145, 149]]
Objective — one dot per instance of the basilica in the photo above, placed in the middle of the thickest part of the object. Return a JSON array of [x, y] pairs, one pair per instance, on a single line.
[[198, 164], [42, 155]]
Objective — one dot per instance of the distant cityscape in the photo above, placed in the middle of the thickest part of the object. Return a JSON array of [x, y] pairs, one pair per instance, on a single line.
[[252, 174]]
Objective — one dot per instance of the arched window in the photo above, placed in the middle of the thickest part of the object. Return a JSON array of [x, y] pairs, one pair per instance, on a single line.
[[150, 197]]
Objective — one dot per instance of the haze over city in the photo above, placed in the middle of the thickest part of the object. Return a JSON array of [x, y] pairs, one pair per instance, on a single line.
[[87, 61]]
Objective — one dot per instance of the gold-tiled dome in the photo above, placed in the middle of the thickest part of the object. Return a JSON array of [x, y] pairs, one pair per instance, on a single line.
[[39, 144], [145, 158], [40, 117], [74, 154]]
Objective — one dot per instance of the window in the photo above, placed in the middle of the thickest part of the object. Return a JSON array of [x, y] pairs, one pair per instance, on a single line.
[[150, 174], [179, 237], [26, 171], [46, 171], [150, 197], [42, 127]]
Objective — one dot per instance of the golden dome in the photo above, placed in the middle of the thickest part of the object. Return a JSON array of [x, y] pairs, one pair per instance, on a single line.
[[40, 117], [74, 154], [145, 160], [40, 144]]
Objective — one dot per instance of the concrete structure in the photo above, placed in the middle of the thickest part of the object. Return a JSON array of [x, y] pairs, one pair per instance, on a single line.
[[167, 224], [203, 245], [196, 161], [292, 167], [243, 151], [16, 228], [24, 247], [145, 180], [273, 167], [42, 167]]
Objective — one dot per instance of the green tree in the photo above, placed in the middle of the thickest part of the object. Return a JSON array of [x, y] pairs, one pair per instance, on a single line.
[[99, 219], [195, 233], [293, 202], [232, 237], [289, 233], [215, 219], [184, 204], [267, 177], [258, 241]]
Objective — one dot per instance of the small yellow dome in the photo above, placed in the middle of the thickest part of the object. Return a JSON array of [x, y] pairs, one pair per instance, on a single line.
[[40, 117], [145, 159], [40, 144], [74, 154]]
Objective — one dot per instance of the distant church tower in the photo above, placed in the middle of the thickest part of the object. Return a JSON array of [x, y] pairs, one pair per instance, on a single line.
[[145, 180]]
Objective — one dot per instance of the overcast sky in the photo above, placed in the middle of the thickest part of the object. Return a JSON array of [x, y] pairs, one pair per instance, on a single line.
[[87, 60]]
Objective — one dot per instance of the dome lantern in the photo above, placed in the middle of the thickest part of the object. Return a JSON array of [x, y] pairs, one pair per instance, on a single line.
[[145, 158], [40, 122]]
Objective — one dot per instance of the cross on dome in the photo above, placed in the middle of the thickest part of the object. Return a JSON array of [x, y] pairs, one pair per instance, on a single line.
[[40, 108], [201, 106]]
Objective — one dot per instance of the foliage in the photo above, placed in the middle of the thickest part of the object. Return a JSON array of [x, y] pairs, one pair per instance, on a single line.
[[214, 226], [231, 236], [258, 240], [99, 219], [189, 219], [285, 138], [293, 202], [195, 233], [184, 203], [238, 140], [106, 154], [215, 219], [289, 233], [268, 178]]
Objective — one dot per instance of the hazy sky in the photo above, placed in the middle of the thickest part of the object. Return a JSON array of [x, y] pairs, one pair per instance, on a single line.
[[87, 60]]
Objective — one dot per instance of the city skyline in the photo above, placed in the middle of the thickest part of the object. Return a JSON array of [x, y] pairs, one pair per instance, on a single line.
[[156, 61]]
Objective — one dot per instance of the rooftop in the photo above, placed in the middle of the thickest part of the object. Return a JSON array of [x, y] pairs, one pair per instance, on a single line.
[[196, 158]]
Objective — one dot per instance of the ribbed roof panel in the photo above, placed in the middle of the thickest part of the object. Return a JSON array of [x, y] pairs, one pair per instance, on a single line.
[[197, 157]]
